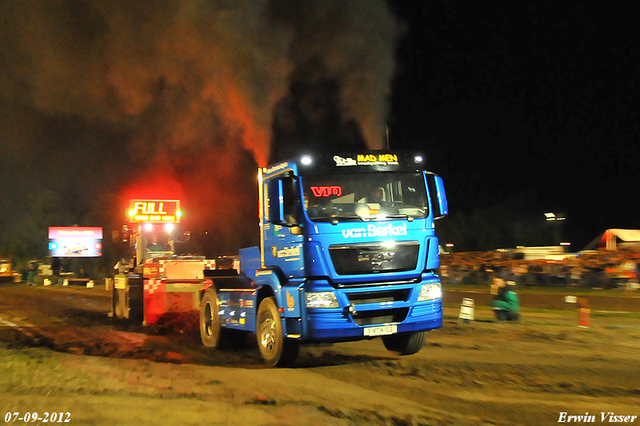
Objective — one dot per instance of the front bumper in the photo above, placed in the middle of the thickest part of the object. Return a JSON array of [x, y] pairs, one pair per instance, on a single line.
[[343, 325]]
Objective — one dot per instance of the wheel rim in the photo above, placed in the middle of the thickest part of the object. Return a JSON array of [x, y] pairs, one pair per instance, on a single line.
[[208, 319], [268, 334]]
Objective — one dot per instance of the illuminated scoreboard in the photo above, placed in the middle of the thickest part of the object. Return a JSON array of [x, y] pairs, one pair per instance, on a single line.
[[75, 241], [155, 211]]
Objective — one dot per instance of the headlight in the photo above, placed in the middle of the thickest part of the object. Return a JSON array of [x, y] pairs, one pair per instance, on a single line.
[[430, 292], [321, 299]]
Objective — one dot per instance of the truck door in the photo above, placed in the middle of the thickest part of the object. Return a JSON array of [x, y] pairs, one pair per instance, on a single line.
[[282, 231]]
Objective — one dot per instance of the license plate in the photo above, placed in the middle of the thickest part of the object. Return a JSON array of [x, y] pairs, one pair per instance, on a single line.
[[381, 330]]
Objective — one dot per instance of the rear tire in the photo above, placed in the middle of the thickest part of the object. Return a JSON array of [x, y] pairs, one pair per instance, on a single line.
[[209, 319], [405, 343], [275, 348]]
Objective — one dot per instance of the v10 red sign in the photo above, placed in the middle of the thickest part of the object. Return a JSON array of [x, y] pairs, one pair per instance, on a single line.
[[158, 211], [326, 191]]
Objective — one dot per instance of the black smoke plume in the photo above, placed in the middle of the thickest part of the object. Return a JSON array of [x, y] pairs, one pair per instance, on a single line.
[[102, 100]]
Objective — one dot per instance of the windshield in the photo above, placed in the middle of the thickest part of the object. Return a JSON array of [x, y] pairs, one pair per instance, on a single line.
[[370, 196]]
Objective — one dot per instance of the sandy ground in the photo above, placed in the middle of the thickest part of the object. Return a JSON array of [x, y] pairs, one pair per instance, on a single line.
[[61, 353]]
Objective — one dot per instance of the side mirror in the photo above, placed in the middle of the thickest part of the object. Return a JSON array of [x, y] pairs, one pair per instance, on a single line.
[[438, 196]]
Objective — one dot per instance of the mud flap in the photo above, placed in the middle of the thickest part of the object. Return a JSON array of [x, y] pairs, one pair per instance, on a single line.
[[126, 297]]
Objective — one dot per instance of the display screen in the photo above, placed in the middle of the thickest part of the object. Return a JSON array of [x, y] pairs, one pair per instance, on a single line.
[[75, 241]]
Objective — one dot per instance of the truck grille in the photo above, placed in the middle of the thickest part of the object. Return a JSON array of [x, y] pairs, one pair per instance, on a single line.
[[374, 258], [378, 296], [381, 317]]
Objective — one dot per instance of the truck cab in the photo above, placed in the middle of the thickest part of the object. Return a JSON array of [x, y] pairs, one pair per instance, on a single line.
[[348, 251]]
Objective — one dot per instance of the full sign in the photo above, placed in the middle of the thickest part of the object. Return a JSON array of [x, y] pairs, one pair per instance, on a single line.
[[158, 211]]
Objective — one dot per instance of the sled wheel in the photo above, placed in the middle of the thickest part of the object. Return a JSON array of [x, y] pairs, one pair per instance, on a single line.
[[276, 350], [405, 343], [209, 319]]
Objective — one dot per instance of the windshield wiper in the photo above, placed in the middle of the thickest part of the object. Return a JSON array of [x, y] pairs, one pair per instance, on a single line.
[[335, 219], [400, 216]]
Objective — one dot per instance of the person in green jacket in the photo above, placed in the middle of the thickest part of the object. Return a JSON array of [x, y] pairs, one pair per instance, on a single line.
[[506, 304], [31, 273]]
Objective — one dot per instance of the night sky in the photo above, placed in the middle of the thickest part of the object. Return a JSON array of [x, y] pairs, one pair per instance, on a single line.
[[528, 104], [529, 100]]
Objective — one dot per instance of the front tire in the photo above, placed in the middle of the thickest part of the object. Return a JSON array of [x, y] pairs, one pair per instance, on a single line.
[[275, 348], [405, 343], [209, 319]]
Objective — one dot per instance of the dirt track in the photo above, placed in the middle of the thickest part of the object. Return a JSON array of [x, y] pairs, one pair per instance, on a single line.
[[467, 374]]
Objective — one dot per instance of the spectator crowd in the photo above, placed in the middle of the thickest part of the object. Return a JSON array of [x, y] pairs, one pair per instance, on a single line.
[[595, 268]]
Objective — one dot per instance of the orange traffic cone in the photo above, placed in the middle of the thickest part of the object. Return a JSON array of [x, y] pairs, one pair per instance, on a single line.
[[584, 313]]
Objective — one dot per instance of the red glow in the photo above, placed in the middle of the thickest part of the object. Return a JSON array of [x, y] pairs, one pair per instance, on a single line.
[[254, 136], [214, 183], [158, 184]]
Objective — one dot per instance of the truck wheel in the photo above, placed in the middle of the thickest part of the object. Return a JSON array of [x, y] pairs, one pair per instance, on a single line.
[[209, 319], [276, 350], [405, 343]]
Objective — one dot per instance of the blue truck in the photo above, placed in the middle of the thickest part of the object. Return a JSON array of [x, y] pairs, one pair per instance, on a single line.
[[348, 251]]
